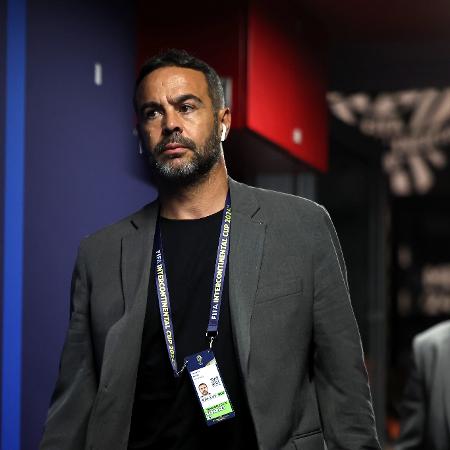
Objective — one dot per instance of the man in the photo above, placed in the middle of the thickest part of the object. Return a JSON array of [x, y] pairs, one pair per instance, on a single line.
[[146, 289], [203, 388], [425, 410]]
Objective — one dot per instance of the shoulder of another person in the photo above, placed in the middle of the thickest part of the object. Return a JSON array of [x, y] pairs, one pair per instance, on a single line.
[[435, 337]]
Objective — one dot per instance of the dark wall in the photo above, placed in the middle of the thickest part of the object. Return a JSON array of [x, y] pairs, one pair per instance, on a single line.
[[82, 169], [389, 66]]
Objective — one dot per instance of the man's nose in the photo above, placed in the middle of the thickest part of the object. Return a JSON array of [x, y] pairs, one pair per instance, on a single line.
[[172, 123]]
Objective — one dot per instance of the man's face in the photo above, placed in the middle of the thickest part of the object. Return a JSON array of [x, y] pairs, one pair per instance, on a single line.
[[203, 389], [178, 126]]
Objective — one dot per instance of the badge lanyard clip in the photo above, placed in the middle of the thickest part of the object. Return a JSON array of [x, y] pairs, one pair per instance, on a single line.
[[211, 337]]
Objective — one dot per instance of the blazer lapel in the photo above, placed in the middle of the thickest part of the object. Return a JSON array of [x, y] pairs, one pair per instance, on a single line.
[[137, 250], [136, 246], [247, 241]]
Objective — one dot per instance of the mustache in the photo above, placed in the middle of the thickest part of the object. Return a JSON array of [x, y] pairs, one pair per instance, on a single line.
[[172, 139]]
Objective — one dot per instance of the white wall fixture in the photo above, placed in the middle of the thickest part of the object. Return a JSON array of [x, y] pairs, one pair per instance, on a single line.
[[297, 136], [98, 74]]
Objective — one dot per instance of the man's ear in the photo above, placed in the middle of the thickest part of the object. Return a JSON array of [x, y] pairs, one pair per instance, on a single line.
[[139, 134], [138, 138], [225, 122]]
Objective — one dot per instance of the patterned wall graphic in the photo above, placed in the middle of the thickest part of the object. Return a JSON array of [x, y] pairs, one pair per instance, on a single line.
[[414, 125]]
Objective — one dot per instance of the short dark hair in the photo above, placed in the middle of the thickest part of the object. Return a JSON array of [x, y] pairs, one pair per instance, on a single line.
[[181, 58]]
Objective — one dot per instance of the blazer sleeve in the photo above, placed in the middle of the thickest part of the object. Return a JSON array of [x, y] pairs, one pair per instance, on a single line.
[[340, 375], [76, 386], [412, 409]]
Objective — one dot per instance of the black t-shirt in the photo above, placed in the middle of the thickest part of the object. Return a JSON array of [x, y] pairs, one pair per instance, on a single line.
[[166, 412]]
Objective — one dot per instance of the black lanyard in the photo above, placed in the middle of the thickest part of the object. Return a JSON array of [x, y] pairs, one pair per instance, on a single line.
[[162, 289]]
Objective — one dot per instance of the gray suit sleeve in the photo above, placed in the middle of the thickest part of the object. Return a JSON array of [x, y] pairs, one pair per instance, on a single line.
[[412, 409], [341, 378], [76, 386]]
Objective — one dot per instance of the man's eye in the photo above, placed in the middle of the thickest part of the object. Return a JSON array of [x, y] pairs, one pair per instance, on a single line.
[[186, 108], [150, 113]]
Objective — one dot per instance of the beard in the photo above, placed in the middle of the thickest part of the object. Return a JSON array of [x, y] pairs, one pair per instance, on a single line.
[[191, 172]]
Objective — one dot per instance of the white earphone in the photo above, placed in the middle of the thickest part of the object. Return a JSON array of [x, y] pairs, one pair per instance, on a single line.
[[224, 133]]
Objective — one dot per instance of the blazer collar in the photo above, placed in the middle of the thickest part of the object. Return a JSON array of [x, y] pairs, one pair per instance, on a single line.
[[137, 250], [243, 200]]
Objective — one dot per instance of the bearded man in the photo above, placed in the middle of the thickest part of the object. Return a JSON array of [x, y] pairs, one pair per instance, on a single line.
[[215, 282]]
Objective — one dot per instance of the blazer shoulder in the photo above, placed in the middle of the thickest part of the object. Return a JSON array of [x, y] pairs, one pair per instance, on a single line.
[[290, 214], [117, 229], [435, 337], [274, 202]]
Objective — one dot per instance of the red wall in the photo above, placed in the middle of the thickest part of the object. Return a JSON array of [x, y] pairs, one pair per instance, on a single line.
[[276, 64], [286, 83]]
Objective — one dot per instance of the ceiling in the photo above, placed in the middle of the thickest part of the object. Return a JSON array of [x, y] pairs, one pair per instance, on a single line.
[[384, 20]]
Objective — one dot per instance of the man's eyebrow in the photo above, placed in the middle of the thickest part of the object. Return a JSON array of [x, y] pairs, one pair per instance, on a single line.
[[174, 101], [184, 97]]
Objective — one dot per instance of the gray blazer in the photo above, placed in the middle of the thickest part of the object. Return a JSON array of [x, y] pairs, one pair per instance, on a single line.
[[425, 410], [296, 337]]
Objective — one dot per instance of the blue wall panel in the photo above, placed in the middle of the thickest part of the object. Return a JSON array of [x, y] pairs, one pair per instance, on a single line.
[[13, 182], [2, 154], [82, 168]]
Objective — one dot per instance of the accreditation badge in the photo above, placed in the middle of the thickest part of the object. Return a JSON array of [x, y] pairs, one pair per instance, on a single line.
[[209, 387]]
